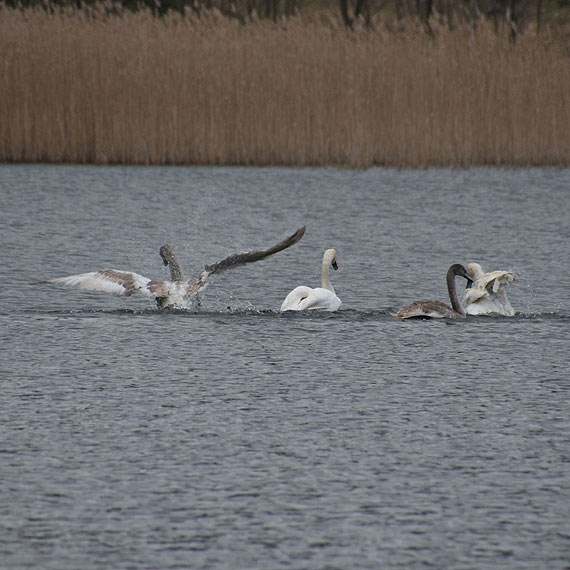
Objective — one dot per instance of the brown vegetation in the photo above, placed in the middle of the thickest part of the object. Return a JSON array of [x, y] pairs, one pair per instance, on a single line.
[[132, 88]]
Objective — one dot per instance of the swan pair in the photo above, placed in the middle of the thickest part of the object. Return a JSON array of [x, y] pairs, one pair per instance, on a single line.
[[485, 294]]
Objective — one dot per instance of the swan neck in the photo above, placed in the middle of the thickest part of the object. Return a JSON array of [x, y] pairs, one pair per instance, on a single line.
[[175, 269], [325, 283], [451, 287]]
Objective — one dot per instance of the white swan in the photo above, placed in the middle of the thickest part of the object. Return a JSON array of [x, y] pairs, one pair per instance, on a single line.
[[437, 309], [487, 295], [305, 298], [177, 292]]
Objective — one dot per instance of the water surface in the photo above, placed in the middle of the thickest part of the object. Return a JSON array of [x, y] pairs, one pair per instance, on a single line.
[[236, 437]]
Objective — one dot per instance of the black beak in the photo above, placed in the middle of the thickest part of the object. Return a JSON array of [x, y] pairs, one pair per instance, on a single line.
[[469, 283], [334, 265]]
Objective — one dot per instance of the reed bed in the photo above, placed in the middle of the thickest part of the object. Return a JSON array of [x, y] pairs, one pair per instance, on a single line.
[[135, 89]]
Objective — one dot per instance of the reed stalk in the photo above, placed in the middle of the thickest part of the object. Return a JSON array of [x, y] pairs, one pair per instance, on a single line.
[[79, 87]]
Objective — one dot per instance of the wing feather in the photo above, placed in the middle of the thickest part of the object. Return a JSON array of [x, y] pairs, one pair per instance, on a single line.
[[124, 283], [238, 259], [473, 295], [494, 280]]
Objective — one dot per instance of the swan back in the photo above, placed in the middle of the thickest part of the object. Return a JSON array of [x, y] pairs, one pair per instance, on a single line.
[[427, 310]]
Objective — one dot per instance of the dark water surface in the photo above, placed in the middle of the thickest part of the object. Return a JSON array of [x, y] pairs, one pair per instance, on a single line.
[[234, 437]]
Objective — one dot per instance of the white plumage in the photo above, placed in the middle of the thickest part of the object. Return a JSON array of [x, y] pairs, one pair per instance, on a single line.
[[304, 298], [108, 281], [487, 295]]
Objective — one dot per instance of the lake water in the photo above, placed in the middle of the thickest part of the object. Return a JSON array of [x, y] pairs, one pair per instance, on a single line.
[[234, 437]]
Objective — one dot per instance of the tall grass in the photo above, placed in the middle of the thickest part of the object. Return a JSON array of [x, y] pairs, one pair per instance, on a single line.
[[136, 89]]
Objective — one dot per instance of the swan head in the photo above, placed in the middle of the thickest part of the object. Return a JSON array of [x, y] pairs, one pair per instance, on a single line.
[[329, 258], [167, 254], [475, 271], [460, 271]]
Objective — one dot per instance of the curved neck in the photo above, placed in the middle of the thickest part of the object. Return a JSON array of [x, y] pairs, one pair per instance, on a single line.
[[325, 283], [453, 293], [175, 269]]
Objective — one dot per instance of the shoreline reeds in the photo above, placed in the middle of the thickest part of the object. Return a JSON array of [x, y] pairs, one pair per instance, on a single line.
[[135, 89]]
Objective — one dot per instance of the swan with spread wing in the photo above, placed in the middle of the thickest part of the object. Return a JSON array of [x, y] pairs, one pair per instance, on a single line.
[[487, 295], [177, 292]]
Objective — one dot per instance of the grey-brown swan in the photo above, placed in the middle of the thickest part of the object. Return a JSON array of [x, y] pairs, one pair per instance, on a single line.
[[437, 309], [177, 292], [487, 295], [324, 297]]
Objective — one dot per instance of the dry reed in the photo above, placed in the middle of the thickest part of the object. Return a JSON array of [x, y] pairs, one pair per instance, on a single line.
[[134, 89]]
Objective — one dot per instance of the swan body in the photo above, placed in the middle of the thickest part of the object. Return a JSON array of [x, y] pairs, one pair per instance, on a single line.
[[324, 298], [176, 292], [487, 295], [428, 310], [306, 298], [437, 309]]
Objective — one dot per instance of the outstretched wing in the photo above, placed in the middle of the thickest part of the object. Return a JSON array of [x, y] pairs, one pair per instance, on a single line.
[[123, 283], [197, 284], [494, 280], [237, 259]]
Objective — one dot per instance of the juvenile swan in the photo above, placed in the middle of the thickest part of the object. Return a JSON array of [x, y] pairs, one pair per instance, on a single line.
[[174, 293], [305, 298], [437, 309], [488, 294]]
